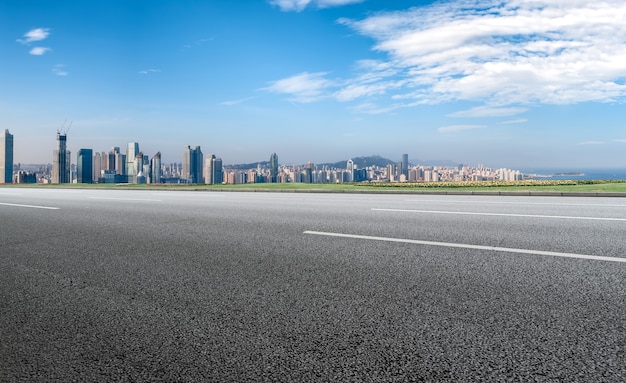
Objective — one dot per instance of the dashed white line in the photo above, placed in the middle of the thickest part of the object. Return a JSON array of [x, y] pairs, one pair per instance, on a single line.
[[467, 246], [501, 214], [29, 206]]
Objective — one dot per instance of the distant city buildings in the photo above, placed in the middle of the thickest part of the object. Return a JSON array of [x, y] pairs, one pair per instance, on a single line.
[[6, 157], [136, 167]]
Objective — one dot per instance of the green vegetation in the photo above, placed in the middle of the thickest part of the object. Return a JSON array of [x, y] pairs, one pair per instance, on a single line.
[[578, 186]]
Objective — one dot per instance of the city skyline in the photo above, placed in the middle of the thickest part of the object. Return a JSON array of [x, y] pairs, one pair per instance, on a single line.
[[517, 85]]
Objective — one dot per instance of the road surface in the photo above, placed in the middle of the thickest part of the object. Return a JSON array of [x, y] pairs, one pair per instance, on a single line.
[[112, 285]]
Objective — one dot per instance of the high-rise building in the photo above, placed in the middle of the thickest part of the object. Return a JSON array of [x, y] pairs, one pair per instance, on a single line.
[[213, 173], [350, 169], [192, 165], [131, 153], [61, 161], [6, 157], [155, 169], [84, 166], [273, 167], [405, 166], [308, 173], [140, 176]]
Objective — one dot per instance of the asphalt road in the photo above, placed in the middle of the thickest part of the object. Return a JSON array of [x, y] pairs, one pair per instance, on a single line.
[[100, 285]]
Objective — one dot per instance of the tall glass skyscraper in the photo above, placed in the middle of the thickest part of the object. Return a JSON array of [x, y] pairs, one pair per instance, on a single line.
[[61, 161], [6, 157], [131, 154], [273, 167], [192, 165], [155, 169], [405, 165], [84, 167]]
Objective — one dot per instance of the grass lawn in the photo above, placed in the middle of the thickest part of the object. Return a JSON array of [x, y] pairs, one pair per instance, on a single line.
[[431, 187]]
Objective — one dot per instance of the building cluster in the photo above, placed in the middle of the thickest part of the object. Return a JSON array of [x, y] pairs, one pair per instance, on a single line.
[[133, 166]]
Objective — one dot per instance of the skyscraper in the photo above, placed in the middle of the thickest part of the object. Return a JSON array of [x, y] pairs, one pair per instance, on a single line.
[[61, 161], [350, 169], [213, 173], [131, 153], [273, 167], [140, 177], [155, 169], [405, 166], [6, 157], [192, 165], [84, 167]]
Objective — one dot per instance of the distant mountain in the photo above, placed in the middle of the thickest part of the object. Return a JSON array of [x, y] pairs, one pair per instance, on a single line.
[[360, 162], [264, 164]]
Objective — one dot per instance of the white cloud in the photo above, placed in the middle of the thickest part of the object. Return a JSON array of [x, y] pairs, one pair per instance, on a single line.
[[38, 51], [486, 111], [501, 52], [303, 87], [299, 5], [59, 70], [620, 140], [459, 128], [36, 34], [148, 71]]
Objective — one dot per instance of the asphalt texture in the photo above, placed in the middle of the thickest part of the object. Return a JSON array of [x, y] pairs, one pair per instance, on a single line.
[[209, 286]]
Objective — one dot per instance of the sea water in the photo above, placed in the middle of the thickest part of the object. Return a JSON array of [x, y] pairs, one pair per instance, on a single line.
[[587, 174]]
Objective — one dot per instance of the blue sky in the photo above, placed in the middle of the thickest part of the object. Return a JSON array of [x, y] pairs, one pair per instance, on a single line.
[[505, 83]]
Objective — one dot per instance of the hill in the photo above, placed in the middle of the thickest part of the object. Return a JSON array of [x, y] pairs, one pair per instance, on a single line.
[[360, 162]]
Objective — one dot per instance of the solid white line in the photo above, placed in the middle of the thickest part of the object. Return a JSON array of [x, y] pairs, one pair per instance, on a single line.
[[466, 246], [513, 203], [127, 199], [501, 214], [29, 206]]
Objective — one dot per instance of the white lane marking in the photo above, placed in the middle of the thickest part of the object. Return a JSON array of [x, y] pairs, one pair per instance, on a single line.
[[501, 214], [127, 199], [514, 203], [466, 246], [29, 206]]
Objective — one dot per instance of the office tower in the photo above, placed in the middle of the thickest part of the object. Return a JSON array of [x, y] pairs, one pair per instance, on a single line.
[[98, 165], [350, 169], [391, 172], [192, 165], [273, 167], [218, 174], [112, 158], [131, 153], [405, 165], [6, 157], [84, 166], [308, 173], [213, 170], [155, 169], [61, 161], [140, 177]]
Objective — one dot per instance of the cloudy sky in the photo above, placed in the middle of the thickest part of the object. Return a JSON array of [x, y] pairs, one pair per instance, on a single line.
[[505, 83]]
